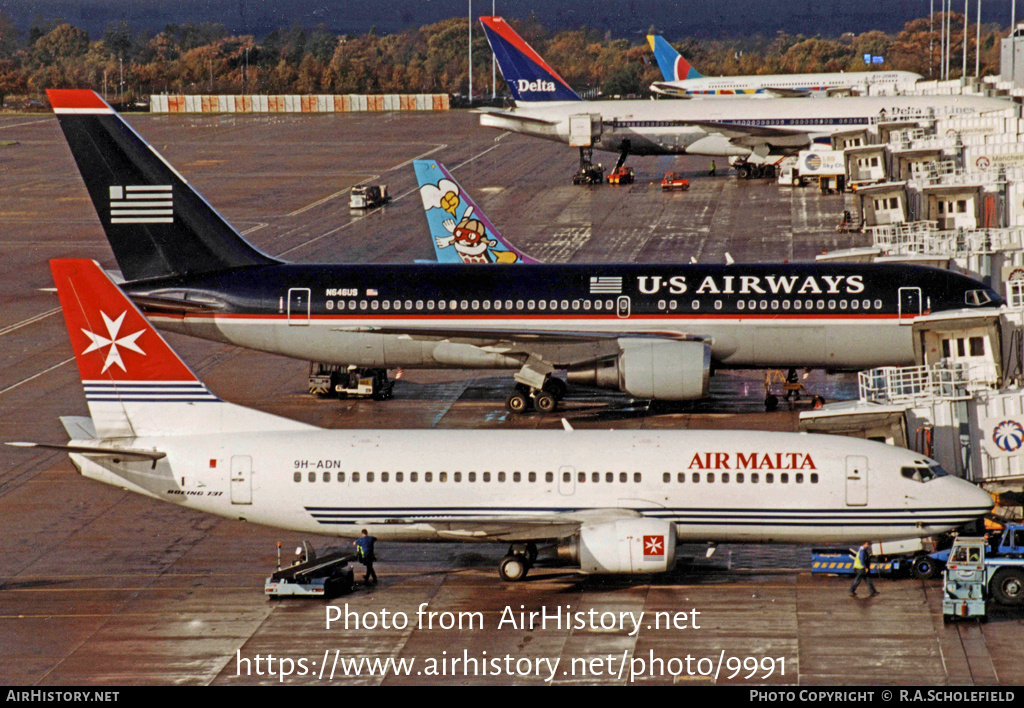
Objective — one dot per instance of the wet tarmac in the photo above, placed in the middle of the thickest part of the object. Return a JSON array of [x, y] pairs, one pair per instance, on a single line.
[[102, 587]]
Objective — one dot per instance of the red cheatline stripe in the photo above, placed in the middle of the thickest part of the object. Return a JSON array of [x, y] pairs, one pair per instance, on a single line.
[[75, 98], [506, 32]]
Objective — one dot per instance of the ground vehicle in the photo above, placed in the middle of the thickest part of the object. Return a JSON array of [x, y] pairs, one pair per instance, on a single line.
[[973, 575], [368, 196], [827, 167], [343, 381], [621, 175], [325, 576], [589, 174], [673, 181]]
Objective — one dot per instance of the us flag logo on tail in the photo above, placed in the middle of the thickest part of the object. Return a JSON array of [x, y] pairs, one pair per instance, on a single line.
[[142, 204]]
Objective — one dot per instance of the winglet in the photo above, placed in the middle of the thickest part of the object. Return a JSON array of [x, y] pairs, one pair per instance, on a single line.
[[672, 64], [456, 222], [529, 77]]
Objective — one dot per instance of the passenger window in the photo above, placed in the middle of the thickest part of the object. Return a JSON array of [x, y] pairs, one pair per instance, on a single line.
[[297, 477], [312, 476]]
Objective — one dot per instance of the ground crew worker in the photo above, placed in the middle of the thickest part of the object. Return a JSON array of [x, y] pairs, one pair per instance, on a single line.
[[364, 554], [861, 569], [711, 172]]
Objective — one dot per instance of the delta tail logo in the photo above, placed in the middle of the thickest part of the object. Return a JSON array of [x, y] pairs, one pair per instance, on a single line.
[[538, 86]]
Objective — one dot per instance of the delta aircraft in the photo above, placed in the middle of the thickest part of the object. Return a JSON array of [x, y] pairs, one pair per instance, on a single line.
[[610, 501], [652, 330], [744, 131], [681, 79]]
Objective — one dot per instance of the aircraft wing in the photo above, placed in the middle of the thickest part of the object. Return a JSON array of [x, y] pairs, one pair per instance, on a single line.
[[752, 136], [557, 347], [667, 88], [497, 334], [512, 115], [787, 93], [484, 525]]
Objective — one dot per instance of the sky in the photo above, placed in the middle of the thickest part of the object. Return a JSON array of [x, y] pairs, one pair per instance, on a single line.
[[622, 18]]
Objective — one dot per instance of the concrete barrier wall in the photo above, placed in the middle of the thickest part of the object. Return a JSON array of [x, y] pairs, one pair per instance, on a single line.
[[298, 104]]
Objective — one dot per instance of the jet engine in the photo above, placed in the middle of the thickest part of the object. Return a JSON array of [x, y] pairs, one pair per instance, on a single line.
[[665, 370], [626, 546]]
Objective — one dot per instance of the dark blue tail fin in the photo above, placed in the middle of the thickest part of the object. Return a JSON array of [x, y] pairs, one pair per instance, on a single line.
[[157, 224]]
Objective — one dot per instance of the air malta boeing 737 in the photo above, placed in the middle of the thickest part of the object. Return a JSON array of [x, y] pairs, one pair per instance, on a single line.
[[612, 501], [546, 107], [681, 79], [654, 331]]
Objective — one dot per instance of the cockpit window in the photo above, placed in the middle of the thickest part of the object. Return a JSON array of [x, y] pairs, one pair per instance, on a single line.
[[978, 298], [924, 473]]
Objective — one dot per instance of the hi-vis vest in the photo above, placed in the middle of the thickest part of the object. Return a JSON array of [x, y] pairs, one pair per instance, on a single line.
[[859, 561]]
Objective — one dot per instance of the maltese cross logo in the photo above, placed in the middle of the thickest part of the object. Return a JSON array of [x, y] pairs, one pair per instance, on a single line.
[[654, 545], [113, 341]]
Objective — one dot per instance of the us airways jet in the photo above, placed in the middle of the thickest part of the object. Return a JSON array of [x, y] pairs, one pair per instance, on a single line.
[[682, 79], [654, 331], [747, 131], [611, 501]]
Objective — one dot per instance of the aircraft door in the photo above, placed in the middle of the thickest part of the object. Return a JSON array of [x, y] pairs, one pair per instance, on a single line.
[[910, 304], [856, 480], [298, 306], [241, 479], [622, 306], [566, 480]]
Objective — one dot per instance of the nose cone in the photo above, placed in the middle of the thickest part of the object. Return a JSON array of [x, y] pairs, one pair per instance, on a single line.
[[976, 497]]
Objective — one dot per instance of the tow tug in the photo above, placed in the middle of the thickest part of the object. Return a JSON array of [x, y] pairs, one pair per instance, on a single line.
[[327, 380], [325, 576], [368, 196]]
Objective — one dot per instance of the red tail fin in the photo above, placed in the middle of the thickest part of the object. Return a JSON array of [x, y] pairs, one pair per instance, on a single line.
[[111, 338]]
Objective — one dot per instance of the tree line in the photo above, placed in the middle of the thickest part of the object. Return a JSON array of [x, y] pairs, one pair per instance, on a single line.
[[192, 58]]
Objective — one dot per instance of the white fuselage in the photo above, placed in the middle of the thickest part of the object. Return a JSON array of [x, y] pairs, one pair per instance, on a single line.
[[424, 485], [761, 84], [727, 127]]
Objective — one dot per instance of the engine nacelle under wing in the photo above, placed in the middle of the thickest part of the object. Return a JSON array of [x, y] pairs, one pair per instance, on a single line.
[[664, 370], [626, 546]]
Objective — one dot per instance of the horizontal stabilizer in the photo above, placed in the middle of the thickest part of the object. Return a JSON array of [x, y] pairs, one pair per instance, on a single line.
[[116, 453]]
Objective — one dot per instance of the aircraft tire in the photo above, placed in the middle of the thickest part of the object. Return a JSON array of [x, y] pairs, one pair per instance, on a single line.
[[1008, 586], [556, 387], [517, 402], [545, 402], [513, 568], [771, 403], [923, 568]]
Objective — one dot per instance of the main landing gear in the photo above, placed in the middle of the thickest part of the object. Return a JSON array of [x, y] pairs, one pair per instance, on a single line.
[[750, 170], [518, 561], [545, 399]]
